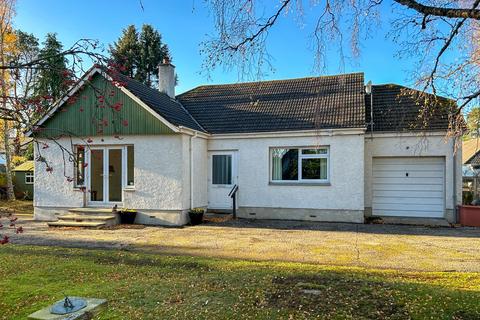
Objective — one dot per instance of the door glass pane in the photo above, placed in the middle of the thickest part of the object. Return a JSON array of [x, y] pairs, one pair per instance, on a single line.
[[115, 175], [80, 166], [130, 166], [314, 169], [285, 164], [96, 169], [221, 169]]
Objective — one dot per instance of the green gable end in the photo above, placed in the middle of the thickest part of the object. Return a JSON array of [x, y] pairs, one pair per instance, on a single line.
[[102, 109]]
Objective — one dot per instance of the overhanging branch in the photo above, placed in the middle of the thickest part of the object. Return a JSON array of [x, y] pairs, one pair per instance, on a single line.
[[442, 12]]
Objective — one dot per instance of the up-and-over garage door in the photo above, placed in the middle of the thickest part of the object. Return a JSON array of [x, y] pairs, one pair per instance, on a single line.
[[408, 187]]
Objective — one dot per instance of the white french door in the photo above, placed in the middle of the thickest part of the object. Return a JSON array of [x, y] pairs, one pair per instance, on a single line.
[[106, 175]]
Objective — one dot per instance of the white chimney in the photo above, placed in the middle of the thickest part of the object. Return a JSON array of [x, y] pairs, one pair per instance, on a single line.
[[166, 78]]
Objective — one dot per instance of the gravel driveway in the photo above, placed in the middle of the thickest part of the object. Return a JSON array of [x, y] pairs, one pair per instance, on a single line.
[[371, 246]]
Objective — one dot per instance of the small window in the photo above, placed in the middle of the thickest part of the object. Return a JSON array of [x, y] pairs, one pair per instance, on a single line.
[[29, 177], [130, 166], [300, 164], [222, 169], [79, 166]]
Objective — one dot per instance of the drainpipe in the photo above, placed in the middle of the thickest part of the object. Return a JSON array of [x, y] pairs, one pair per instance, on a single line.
[[191, 169], [455, 213]]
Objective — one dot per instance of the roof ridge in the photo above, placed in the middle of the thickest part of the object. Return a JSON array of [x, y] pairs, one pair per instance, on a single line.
[[413, 89], [271, 81]]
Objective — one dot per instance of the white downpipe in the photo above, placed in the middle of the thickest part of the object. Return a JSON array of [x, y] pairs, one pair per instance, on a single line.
[[455, 213], [191, 169]]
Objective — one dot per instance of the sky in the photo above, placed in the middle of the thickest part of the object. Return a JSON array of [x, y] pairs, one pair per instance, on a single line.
[[184, 24]]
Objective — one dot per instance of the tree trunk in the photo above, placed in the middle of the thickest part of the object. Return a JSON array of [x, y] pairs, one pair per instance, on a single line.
[[8, 162]]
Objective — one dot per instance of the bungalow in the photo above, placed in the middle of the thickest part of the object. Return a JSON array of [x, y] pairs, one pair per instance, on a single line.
[[318, 148]]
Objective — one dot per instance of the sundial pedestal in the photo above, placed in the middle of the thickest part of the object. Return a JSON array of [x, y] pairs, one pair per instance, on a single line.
[[70, 308]]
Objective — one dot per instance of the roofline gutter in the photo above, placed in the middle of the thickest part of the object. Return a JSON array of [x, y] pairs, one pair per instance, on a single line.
[[295, 133], [193, 132], [393, 134]]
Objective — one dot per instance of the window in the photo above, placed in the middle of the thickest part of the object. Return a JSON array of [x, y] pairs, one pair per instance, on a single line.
[[79, 166], [300, 164], [222, 169], [29, 177], [130, 166]]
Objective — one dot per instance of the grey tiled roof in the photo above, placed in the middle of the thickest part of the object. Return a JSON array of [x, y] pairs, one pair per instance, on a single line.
[[475, 160], [161, 103], [281, 105], [397, 108]]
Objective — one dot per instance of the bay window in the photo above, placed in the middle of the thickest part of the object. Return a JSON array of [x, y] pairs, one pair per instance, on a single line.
[[300, 164]]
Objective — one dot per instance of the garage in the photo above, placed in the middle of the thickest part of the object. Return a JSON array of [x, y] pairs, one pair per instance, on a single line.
[[408, 187]]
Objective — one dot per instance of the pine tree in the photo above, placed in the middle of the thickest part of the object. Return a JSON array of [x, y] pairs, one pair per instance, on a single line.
[[152, 52], [138, 55], [125, 51], [53, 75]]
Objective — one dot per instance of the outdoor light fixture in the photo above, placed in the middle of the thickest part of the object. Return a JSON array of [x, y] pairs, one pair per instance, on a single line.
[[368, 88]]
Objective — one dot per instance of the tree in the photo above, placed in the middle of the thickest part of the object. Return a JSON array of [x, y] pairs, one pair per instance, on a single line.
[[473, 122], [152, 53], [125, 52], [7, 51], [138, 55], [25, 81], [53, 76], [441, 35]]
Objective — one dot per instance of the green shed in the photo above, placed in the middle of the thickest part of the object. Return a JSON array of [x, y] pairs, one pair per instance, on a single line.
[[23, 179]]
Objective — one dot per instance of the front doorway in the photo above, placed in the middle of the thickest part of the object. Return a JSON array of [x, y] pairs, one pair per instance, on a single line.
[[222, 176], [106, 175]]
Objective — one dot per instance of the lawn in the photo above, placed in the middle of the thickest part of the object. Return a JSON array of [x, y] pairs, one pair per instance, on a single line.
[[18, 207], [155, 286]]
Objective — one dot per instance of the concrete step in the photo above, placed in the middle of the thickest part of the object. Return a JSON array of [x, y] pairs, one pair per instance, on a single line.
[[85, 217], [94, 225], [92, 211]]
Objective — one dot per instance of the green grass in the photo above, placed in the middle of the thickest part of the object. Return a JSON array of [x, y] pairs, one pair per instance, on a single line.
[[18, 207], [152, 286]]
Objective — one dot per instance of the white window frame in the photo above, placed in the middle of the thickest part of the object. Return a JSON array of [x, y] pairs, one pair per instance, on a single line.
[[28, 176], [302, 156], [126, 186]]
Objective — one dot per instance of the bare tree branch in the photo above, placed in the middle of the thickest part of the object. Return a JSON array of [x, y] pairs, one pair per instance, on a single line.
[[442, 11]]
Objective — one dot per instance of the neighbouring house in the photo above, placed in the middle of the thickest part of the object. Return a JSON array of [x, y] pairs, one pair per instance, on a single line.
[[298, 149], [23, 180]]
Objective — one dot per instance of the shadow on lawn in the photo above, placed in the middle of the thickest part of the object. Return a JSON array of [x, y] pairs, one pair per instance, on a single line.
[[349, 227], [109, 257]]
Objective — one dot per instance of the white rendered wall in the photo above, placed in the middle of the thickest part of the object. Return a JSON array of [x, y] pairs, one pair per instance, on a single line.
[[194, 149], [158, 174], [346, 189]]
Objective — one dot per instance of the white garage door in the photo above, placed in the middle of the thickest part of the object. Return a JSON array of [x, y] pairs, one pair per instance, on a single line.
[[408, 187]]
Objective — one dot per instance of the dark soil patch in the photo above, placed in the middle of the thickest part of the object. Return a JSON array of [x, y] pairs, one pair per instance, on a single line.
[[337, 297]]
